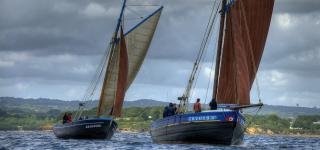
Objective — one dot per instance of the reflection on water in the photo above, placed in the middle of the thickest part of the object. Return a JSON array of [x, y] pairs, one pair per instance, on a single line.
[[47, 140]]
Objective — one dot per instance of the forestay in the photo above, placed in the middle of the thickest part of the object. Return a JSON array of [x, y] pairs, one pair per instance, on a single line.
[[137, 40]]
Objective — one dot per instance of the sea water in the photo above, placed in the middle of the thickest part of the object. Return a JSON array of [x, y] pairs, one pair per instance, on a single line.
[[142, 141]]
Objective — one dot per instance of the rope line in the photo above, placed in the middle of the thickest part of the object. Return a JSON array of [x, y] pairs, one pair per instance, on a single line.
[[209, 83], [202, 50]]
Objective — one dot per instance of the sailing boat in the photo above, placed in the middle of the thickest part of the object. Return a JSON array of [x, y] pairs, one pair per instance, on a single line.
[[126, 54], [244, 26]]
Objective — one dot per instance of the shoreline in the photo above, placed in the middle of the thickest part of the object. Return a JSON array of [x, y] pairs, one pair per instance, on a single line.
[[288, 135]]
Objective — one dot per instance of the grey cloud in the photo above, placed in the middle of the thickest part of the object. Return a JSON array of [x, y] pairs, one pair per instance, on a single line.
[[56, 67], [297, 6], [294, 48], [38, 26], [46, 30]]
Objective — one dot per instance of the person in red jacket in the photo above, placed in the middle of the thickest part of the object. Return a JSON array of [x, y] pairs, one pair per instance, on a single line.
[[69, 120], [197, 106]]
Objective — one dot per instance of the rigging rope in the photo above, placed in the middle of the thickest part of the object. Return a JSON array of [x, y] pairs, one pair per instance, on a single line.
[[102, 67], [203, 47], [211, 69], [97, 77], [143, 5], [211, 27], [94, 82], [248, 124], [194, 73], [135, 12]]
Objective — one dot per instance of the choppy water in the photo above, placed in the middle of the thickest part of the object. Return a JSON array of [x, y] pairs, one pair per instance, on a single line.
[[140, 141]]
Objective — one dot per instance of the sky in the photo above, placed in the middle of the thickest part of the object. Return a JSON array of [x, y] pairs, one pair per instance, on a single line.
[[51, 49]]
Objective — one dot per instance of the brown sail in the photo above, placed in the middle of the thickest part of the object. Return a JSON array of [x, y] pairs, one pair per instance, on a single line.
[[136, 42], [122, 77], [246, 29]]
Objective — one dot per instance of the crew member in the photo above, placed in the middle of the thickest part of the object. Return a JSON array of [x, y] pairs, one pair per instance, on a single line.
[[69, 118], [65, 118], [197, 106], [165, 112], [213, 104]]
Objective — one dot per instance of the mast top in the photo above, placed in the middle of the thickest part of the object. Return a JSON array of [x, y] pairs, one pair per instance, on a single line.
[[120, 16]]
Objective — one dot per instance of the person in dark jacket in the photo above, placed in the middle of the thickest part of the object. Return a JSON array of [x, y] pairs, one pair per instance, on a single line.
[[213, 104], [170, 110], [174, 108], [65, 118], [165, 112]]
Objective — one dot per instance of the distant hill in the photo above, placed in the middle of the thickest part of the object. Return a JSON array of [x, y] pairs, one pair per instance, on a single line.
[[44, 105], [286, 111], [144, 103], [38, 105]]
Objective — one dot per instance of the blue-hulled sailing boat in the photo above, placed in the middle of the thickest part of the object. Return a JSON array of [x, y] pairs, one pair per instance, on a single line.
[[244, 26], [120, 67]]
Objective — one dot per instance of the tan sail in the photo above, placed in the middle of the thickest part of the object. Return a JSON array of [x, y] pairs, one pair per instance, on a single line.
[[247, 25], [137, 40], [108, 91]]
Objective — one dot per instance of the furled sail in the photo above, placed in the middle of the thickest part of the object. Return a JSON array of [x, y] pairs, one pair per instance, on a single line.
[[137, 41], [246, 29]]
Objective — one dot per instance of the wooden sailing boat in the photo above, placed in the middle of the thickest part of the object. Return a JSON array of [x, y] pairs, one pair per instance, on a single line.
[[126, 54], [244, 26]]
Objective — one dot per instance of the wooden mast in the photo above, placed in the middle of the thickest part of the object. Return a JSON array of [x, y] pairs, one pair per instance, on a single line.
[[219, 49], [114, 40]]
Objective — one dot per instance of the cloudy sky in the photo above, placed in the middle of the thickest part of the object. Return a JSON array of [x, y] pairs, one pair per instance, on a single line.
[[51, 49]]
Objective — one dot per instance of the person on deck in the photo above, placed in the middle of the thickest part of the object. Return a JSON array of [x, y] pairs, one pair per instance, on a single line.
[[174, 108], [69, 118], [170, 110], [65, 118], [197, 106], [165, 112], [213, 104]]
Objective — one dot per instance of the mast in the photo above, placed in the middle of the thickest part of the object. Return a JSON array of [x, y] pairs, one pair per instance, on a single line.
[[120, 19], [122, 77], [126, 54], [219, 49], [112, 47]]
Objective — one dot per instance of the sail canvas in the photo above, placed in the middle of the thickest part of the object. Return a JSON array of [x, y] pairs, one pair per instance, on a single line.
[[137, 42], [247, 25]]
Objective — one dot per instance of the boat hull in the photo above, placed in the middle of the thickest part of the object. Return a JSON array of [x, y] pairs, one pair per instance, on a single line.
[[99, 128], [203, 130]]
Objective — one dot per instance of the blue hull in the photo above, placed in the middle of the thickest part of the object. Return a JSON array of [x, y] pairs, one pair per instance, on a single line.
[[99, 128], [213, 127]]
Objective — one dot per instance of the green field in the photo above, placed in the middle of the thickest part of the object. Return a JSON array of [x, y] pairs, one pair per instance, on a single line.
[[140, 119]]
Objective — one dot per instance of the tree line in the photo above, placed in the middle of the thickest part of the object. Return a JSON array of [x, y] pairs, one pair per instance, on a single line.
[[140, 118]]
